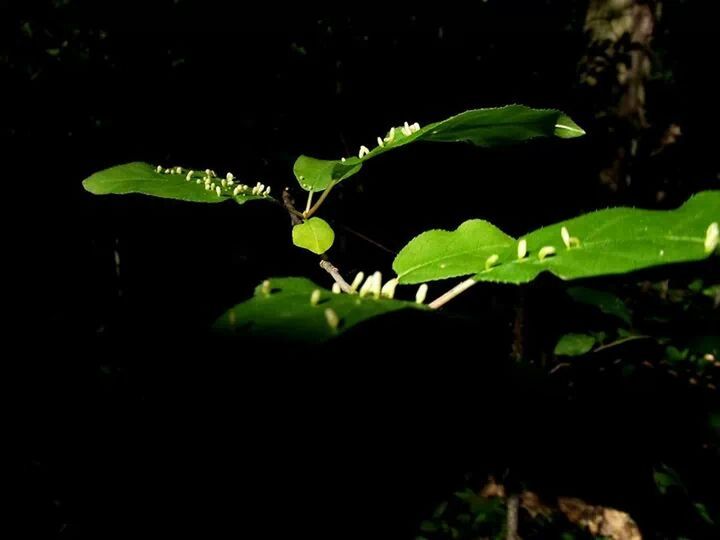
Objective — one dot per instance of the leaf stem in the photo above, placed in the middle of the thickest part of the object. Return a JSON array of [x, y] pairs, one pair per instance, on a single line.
[[319, 202], [452, 293], [309, 201]]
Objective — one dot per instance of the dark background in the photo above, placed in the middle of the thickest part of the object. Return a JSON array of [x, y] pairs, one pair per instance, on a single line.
[[136, 422]]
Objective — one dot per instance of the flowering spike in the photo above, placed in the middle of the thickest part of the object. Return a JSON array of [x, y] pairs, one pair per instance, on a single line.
[[546, 251], [388, 290], [522, 249], [357, 281], [491, 261], [315, 297], [332, 319], [364, 151], [421, 293], [336, 288], [711, 237]]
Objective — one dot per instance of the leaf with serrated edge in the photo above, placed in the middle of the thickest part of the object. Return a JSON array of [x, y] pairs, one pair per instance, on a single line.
[[482, 127], [612, 241], [283, 310], [142, 178]]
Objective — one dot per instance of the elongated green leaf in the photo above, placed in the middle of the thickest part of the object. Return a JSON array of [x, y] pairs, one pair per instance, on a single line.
[[283, 308], [574, 345], [143, 178], [314, 235], [613, 241], [606, 302], [482, 127]]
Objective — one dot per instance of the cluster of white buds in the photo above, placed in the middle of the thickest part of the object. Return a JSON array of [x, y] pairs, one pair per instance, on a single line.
[[408, 130], [546, 251], [364, 151], [569, 241], [712, 237], [522, 249]]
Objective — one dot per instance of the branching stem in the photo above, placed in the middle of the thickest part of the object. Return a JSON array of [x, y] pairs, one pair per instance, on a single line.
[[319, 202], [335, 273]]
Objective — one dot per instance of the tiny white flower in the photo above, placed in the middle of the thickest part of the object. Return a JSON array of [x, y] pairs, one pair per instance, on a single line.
[[565, 237], [711, 237], [522, 249], [391, 135], [168, 171], [332, 318], [198, 181], [267, 191], [315, 297], [218, 190], [159, 169], [178, 170], [377, 284], [236, 190], [336, 288], [223, 182], [367, 286], [380, 142], [388, 290], [421, 293], [357, 281], [229, 177], [546, 251], [265, 288], [491, 261], [364, 151], [415, 127], [342, 159]]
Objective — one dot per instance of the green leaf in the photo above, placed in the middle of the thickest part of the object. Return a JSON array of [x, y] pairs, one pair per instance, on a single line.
[[482, 127], [143, 178], [282, 309], [314, 235], [574, 345], [606, 302], [612, 241]]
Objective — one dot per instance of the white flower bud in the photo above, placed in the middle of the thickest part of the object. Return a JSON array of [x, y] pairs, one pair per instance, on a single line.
[[342, 159], [223, 182], [188, 177], [711, 237], [158, 169], [376, 285], [336, 288], [315, 297], [267, 191], [265, 288], [522, 249], [332, 318], [491, 261], [229, 177], [380, 142], [546, 251], [178, 170], [357, 281], [388, 290], [390, 135], [415, 127], [364, 151], [565, 237], [421, 293], [218, 190], [367, 286]]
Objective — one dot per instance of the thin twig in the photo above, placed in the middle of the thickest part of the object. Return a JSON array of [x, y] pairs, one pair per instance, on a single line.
[[335, 273], [319, 202], [452, 293], [619, 342], [366, 238], [289, 203], [513, 504]]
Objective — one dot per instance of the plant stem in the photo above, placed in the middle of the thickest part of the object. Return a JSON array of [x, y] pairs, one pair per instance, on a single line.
[[322, 198], [335, 273], [309, 201], [452, 293], [513, 504]]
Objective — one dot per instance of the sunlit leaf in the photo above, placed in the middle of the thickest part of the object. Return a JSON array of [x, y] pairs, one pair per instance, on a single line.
[[482, 127], [314, 235], [282, 308], [574, 344], [143, 178], [612, 241]]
